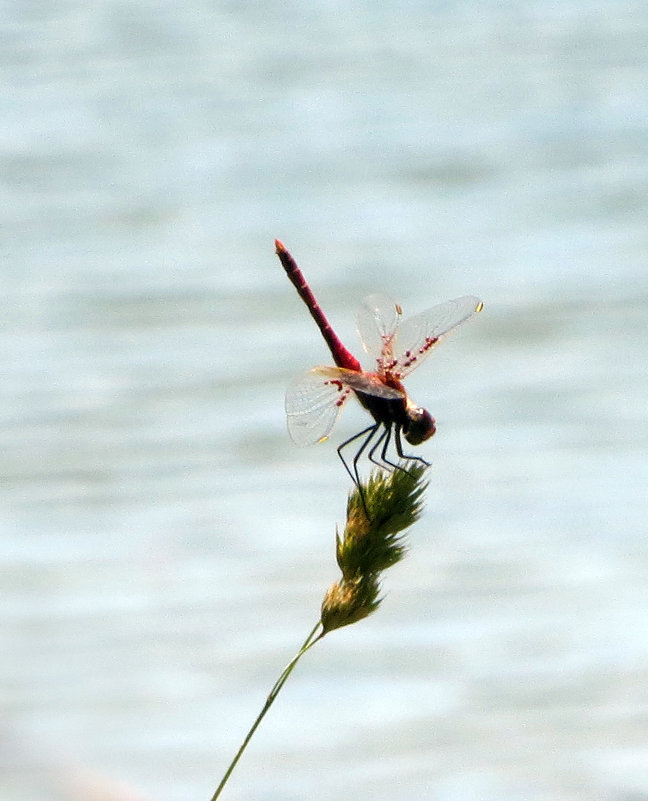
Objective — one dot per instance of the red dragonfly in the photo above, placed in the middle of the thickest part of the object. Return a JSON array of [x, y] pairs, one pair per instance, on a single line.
[[314, 400]]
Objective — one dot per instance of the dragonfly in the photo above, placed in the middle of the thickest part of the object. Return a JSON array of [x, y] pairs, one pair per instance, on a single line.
[[314, 400]]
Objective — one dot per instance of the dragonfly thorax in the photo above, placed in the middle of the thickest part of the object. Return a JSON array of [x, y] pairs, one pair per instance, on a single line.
[[418, 425]]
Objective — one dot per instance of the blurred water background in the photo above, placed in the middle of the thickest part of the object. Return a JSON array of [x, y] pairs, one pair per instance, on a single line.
[[164, 547]]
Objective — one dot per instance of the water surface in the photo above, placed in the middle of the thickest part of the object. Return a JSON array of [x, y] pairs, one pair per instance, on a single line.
[[164, 547]]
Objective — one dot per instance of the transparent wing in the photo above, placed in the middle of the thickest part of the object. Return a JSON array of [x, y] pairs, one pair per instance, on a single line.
[[378, 319], [419, 335], [369, 383], [313, 404], [314, 400]]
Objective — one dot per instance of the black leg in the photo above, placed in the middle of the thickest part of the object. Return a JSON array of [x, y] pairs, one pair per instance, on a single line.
[[356, 458], [401, 455], [383, 440], [383, 455], [369, 431], [355, 476]]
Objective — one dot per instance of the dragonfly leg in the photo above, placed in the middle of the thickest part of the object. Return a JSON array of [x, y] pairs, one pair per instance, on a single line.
[[369, 431], [355, 475], [406, 456], [384, 439]]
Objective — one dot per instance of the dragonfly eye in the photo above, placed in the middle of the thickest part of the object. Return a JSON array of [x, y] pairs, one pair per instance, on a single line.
[[420, 426]]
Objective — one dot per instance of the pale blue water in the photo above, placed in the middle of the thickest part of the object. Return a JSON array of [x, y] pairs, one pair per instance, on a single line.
[[164, 547]]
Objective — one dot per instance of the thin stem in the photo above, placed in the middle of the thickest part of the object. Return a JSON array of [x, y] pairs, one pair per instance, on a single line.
[[312, 638]]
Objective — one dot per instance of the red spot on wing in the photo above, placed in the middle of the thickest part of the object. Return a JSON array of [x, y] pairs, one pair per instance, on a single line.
[[339, 386], [409, 358]]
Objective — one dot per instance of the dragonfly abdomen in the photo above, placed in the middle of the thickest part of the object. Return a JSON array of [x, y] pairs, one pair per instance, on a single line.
[[341, 356]]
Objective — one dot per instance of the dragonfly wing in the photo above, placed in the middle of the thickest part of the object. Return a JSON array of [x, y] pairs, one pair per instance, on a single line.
[[368, 383], [420, 334], [313, 402], [378, 319]]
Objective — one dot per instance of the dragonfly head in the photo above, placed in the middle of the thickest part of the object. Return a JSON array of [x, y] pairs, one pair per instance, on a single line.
[[420, 425]]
